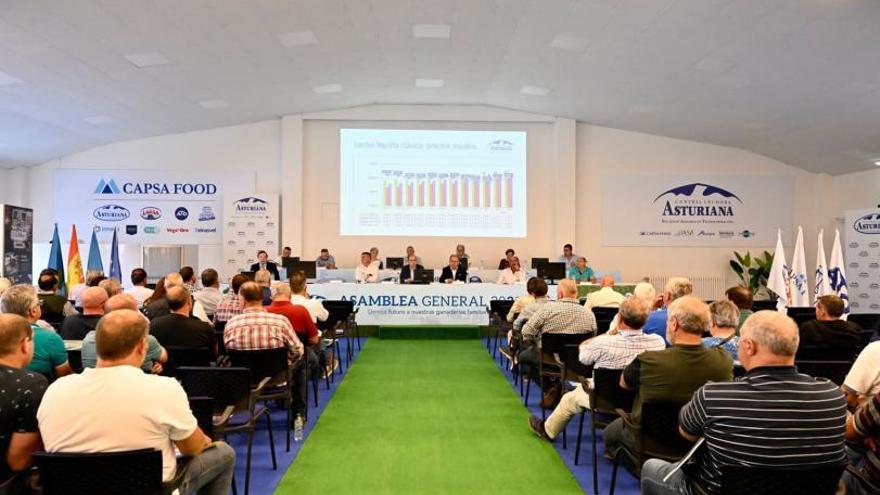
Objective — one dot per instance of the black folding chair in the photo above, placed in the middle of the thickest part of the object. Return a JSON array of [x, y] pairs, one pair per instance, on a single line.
[[835, 371], [74, 358], [549, 366], [186, 356], [339, 324], [765, 305], [866, 483], [604, 317], [736, 480], [574, 371], [868, 321], [801, 315], [272, 364], [235, 404], [657, 437], [135, 472], [498, 310], [203, 410]]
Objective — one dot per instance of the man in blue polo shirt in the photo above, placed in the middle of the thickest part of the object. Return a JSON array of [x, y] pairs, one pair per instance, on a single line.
[[676, 287]]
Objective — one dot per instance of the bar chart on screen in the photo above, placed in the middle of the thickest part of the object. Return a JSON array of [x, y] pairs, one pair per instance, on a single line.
[[433, 183]]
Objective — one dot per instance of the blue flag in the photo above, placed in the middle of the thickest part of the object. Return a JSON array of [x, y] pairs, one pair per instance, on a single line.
[[95, 263], [56, 261], [115, 269]]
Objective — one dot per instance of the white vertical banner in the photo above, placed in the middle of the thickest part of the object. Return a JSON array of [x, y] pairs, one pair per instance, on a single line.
[[837, 274], [862, 234], [822, 287], [779, 280], [799, 293], [250, 224]]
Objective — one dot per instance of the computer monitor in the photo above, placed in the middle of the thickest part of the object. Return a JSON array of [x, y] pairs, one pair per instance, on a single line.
[[551, 271], [538, 261], [394, 263], [307, 267], [424, 276], [288, 262], [249, 275]]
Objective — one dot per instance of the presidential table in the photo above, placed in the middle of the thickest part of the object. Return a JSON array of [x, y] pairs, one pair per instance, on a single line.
[[430, 304]]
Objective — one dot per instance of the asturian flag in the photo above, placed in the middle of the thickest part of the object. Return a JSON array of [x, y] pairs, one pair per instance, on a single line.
[[779, 280], [799, 295], [822, 286], [837, 274]]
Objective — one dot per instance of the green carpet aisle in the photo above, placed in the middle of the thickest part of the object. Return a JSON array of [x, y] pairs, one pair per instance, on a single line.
[[425, 417]]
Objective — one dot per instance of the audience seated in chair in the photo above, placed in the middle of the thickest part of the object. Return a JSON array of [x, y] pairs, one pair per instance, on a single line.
[[77, 326], [565, 315], [722, 325], [230, 305], [178, 328], [774, 417], [673, 374], [606, 297], [157, 305], [117, 407], [863, 381], [522, 301], [50, 356], [612, 350], [139, 289], [210, 294], [300, 297], [21, 394], [676, 287], [828, 330], [53, 306], [742, 298], [863, 431], [156, 354]]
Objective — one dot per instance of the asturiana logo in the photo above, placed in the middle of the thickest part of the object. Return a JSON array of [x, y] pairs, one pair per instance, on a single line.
[[501, 145], [868, 224], [698, 200], [251, 205], [111, 213]]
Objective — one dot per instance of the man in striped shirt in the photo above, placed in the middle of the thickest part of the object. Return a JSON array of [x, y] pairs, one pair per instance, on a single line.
[[773, 417], [256, 329], [613, 350]]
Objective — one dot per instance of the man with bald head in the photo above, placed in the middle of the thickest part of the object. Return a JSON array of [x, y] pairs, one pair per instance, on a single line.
[[77, 326], [673, 374], [160, 307], [117, 407], [21, 394], [156, 354], [178, 328], [773, 418], [564, 315], [605, 297]]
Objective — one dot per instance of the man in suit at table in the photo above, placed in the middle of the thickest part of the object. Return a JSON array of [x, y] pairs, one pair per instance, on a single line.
[[408, 273], [265, 264], [453, 272]]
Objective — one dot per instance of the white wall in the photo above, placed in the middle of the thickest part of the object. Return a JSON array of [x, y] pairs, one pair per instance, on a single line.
[[297, 156]]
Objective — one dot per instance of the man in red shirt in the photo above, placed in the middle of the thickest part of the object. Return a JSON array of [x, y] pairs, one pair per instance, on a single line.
[[301, 321]]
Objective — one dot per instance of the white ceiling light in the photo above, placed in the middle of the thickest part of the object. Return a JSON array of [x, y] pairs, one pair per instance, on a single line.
[[212, 104], [147, 59], [99, 120], [6, 79], [569, 43], [435, 31], [430, 83], [297, 38], [877, 162], [534, 91], [327, 89]]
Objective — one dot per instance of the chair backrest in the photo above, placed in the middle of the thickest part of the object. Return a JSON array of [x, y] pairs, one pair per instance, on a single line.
[[865, 339], [501, 307], [608, 395], [203, 409], [186, 356], [555, 342], [659, 436], [604, 317], [764, 481], [264, 363], [74, 358], [762, 305], [835, 371], [868, 321], [802, 314], [338, 312], [219, 326], [570, 354], [227, 386], [137, 472], [221, 344]]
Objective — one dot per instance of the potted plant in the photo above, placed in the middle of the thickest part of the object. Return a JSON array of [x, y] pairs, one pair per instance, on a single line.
[[753, 272]]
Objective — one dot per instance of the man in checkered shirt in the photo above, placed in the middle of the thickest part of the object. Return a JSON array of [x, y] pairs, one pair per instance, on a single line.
[[230, 305], [255, 328], [564, 315]]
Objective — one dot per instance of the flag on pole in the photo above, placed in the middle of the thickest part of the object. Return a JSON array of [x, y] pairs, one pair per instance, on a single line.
[[95, 263], [799, 296], [822, 287], [837, 274], [115, 269], [74, 263], [779, 280], [56, 261]]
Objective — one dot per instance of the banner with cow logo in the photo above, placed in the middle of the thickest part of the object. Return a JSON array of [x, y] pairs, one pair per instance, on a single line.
[[716, 210], [862, 238], [147, 206], [250, 224]]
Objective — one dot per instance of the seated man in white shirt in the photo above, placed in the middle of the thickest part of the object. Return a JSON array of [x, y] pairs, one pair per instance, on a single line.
[[512, 274], [210, 294], [606, 297], [613, 350], [366, 272], [116, 407], [140, 292], [300, 297]]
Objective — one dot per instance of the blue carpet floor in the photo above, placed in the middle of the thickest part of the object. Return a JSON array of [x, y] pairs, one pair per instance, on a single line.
[[264, 479]]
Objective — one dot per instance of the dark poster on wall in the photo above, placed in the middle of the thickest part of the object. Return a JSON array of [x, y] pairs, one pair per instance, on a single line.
[[18, 244]]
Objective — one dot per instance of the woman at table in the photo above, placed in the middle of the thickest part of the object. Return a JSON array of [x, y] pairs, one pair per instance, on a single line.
[[513, 274], [580, 272], [509, 255]]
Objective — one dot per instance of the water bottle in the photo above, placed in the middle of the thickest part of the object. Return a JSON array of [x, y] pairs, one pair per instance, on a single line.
[[298, 429]]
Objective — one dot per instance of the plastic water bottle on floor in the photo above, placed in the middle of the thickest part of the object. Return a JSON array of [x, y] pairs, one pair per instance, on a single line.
[[298, 429]]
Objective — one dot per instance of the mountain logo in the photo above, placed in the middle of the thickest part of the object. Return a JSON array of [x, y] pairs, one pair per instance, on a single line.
[[501, 145], [868, 224], [700, 189], [107, 187], [111, 213], [699, 200]]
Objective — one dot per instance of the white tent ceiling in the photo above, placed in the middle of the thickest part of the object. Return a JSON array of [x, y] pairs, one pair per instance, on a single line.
[[796, 80]]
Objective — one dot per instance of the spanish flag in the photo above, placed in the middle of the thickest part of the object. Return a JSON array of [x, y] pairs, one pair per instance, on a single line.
[[74, 263]]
